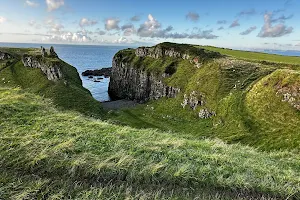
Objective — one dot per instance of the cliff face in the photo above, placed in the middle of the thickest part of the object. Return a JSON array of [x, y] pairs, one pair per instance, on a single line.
[[195, 56], [50, 68], [128, 82], [133, 78]]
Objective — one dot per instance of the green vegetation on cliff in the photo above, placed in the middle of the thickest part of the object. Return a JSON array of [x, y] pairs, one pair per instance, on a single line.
[[67, 93], [249, 109]]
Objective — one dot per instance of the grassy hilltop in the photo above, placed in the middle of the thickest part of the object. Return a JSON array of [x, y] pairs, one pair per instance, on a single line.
[[52, 148], [247, 95]]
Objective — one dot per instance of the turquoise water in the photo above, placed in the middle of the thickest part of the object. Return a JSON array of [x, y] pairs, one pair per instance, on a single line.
[[83, 57]]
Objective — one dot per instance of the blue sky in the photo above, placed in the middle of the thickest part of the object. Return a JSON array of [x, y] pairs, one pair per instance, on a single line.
[[243, 24]]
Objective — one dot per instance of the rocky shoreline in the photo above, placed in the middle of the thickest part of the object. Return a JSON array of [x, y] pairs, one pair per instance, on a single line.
[[106, 72]]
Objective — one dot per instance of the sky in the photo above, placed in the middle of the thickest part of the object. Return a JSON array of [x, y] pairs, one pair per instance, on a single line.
[[242, 24]]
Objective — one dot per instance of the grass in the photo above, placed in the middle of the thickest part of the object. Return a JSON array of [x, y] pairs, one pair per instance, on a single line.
[[53, 147], [254, 56], [225, 84], [46, 153], [72, 96]]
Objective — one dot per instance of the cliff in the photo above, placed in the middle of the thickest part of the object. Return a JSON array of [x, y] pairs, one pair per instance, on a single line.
[[128, 82], [133, 76], [42, 72], [48, 64], [50, 69]]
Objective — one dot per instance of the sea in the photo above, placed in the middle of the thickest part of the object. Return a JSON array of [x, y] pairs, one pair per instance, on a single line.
[[89, 57], [83, 57]]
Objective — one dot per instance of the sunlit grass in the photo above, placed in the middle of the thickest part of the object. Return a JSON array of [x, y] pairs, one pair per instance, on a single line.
[[66, 154]]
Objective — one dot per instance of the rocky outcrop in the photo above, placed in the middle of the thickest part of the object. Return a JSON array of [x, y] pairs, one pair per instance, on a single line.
[[50, 69], [106, 72], [290, 94], [5, 56], [206, 114], [129, 82], [196, 56], [193, 100], [48, 63]]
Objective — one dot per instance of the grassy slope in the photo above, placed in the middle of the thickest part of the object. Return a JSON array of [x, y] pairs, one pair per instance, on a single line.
[[255, 56], [225, 83], [45, 153], [72, 96]]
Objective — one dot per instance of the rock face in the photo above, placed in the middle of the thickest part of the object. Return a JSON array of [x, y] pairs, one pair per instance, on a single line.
[[5, 56], [134, 83], [50, 69], [196, 57], [193, 100], [128, 82]]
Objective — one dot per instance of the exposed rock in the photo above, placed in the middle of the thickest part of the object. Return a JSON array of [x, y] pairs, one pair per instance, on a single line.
[[5, 56], [50, 69], [106, 72], [53, 53], [43, 51], [128, 82], [290, 94], [193, 100], [206, 114], [157, 52]]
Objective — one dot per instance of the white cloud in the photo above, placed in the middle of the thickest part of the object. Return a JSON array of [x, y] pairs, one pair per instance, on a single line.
[[128, 29], [57, 28], [32, 23], [54, 27], [54, 4], [193, 16], [249, 30], [270, 30], [152, 28], [235, 23], [31, 3], [2, 20], [69, 37], [112, 24], [87, 22], [123, 40], [149, 28]]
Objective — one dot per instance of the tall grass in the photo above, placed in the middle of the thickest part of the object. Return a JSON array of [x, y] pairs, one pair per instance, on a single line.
[[64, 154]]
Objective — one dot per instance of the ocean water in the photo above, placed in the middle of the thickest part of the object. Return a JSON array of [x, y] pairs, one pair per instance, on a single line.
[[83, 57]]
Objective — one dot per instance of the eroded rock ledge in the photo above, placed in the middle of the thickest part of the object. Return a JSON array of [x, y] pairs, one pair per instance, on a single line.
[[48, 63], [195, 55]]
